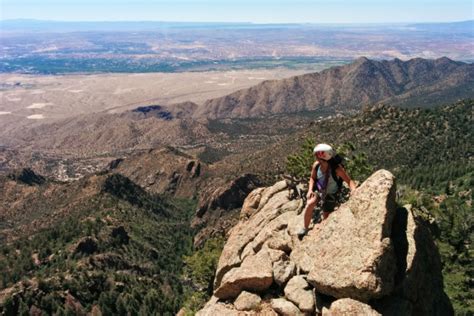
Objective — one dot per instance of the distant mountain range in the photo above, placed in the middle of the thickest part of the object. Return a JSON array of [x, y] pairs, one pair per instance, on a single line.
[[413, 83], [52, 25], [461, 26], [343, 89]]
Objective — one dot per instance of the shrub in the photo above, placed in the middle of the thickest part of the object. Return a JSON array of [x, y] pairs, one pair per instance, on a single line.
[[356, 163]]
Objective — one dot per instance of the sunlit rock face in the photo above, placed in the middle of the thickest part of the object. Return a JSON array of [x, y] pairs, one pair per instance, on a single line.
[[369, 257]]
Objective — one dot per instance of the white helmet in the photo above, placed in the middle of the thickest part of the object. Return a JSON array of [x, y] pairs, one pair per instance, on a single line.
[[323, 151]]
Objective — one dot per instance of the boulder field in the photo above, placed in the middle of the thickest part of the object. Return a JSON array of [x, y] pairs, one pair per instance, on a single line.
[[370, 257]]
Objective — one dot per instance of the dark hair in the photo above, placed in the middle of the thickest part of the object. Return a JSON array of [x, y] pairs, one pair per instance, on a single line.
[[335, 162]]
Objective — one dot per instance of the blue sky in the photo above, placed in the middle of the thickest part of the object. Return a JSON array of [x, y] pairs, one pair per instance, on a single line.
[[259, 11]]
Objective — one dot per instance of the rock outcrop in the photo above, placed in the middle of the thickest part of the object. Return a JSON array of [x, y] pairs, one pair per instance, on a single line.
[[247, 301], [369, 257], [163, 171], [219, 204], [230, 196], [348, 306], [356, 241]]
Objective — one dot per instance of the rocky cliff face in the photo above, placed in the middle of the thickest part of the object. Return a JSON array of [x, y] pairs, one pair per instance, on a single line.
[[163, 171], [367, 258]]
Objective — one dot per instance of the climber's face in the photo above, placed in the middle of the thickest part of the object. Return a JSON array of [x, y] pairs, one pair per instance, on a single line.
[[320, 155]]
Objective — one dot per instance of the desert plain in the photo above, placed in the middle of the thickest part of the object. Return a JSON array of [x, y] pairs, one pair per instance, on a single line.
[[32, 99]]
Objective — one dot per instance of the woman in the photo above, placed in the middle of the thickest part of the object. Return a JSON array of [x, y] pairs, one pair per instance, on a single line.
[[323, 184]]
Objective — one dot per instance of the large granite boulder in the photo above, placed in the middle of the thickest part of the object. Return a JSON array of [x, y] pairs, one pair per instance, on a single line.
[[299, 292], [251, 203], [255, 274], [215, 308], [352, 254], [285, 308], [348, 306], [245, 232], [247, 301], [218, 309], [283, 270]]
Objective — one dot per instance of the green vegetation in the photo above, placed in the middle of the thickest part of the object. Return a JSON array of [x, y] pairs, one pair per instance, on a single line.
[[200, 269], [132, 64], [356, 163], [211, 155], [452, 224], [123, 257], [299, 164], [422, 141], [410, 143], [430, 152], [130, 252]]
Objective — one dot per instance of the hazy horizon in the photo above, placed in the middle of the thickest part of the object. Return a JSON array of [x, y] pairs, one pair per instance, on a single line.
[[234, 22], [244, 11]]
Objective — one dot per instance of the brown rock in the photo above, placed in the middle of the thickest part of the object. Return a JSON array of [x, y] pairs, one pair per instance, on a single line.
[[347, 306], [247, 301], [281, 242], [219, 206], [275, 255], [229, 196], [9, 292], [283, 270], [218, 309], [245, 232], [350, 254], [276, 229], [298, 291], [285, 308], [255, 274], [251, 203], [35, 258], [367, 251]]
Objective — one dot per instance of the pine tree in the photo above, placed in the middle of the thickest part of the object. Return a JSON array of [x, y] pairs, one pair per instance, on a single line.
[[23, 309]]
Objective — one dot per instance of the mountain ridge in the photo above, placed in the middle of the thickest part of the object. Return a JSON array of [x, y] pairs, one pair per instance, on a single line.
[[343, 89], [349, 87]]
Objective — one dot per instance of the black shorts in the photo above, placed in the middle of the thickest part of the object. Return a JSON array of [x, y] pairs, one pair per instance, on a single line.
[[330, 202]]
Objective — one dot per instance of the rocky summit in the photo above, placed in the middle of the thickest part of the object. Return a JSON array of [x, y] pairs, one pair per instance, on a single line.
[[369, 257]]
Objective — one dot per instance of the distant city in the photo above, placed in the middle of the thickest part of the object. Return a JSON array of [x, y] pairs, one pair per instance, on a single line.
[[42, 47]]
